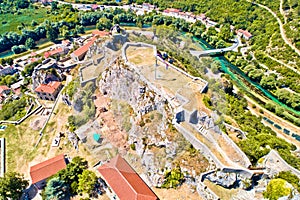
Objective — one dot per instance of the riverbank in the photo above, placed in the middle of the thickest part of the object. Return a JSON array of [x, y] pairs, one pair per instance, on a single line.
[[251, 88]]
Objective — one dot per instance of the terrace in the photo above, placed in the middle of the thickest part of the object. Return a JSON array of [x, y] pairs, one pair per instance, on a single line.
[[176, 84]]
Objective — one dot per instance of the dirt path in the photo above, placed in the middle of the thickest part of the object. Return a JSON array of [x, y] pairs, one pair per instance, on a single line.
[[282, 31], [284, 64], [282, 12]]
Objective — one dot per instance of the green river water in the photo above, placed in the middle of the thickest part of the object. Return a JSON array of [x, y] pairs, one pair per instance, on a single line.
[[236, 74]]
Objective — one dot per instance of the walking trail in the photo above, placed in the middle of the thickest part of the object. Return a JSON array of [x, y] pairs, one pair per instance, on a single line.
[[282, 31]]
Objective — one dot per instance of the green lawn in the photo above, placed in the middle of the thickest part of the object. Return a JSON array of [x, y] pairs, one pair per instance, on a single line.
[[14, 20]]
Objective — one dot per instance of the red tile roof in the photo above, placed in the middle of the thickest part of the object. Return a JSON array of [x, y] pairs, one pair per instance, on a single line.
[[49, 88], [33, 54], [247, 34], [3, 88], [95, 6], [53, 52], [82, 50], [100, 33], [172, 10], [65, 42], [124, 181], [47, 168]]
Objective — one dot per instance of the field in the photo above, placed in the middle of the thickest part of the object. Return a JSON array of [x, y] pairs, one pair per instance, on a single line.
[[20, 141], [26, 17]]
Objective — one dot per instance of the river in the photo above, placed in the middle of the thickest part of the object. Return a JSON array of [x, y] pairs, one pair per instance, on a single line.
[[236, 74]]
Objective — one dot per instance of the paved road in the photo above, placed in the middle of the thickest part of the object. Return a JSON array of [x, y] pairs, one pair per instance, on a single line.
[[214, 51]]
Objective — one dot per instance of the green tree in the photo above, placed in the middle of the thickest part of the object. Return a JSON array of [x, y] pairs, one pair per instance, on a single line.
[[277, 188], [64, 32], [30, 44], [225, 32], [86, 182], [12, 185], [51, 34], [291, 178], [70, 175], [56, 189], [22, 4], [173, 178], [54, 5], [103, 24], [268, 82]]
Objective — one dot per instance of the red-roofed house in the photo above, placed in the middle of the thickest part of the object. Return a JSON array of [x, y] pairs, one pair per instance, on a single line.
[[48, 91], [100, 33], [172, 12], [59, 50], [4, 90], [124, 182], [148, 6], [40, 172], [65, 42], [79, 53], [201, 17], [95, 6], [244, 34]]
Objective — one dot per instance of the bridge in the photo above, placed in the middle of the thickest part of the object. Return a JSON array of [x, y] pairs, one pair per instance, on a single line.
[[215, 51]]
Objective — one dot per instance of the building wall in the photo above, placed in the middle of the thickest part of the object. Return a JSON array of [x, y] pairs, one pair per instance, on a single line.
[[49, 96]]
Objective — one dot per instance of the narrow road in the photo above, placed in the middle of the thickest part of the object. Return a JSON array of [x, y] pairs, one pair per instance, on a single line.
[[282, 31]]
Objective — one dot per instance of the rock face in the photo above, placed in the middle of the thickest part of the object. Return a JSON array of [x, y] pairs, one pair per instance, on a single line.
[[121, 83], [148, 135], [227, 180]]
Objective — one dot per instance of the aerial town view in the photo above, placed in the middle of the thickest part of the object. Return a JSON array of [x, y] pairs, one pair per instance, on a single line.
[[148, 100]]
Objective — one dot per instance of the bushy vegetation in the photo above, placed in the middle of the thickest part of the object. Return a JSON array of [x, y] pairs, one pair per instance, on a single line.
[[72, 87], [83, 104], [13, 110], [12, 185], [9, 79], [277, 188], [173, 178], [290, 177], [260, 138]]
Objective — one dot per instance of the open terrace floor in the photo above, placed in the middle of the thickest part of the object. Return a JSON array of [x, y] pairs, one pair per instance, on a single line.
[[166, 78]]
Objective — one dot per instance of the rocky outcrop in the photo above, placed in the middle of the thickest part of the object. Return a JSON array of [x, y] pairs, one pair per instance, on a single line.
[[121, 83], [227, 180]]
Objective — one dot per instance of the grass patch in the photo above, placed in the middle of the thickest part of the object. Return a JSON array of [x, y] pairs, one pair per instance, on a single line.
[[25, 18], [20, 141]]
